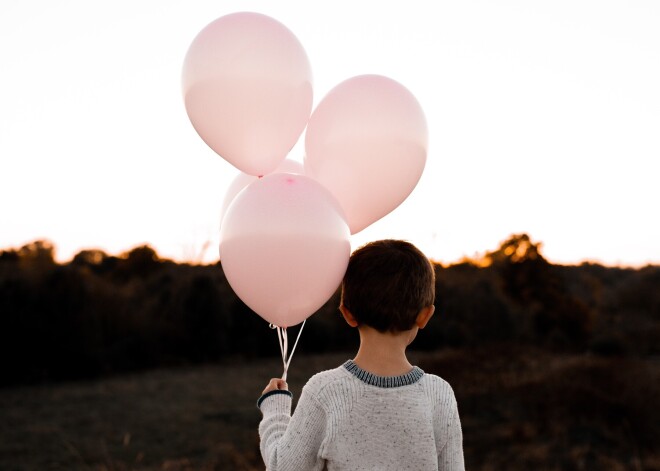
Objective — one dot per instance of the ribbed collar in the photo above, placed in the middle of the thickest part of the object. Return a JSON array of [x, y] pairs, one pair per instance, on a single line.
[[384, 381]]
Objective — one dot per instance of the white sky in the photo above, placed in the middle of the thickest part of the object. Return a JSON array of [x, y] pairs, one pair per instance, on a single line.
[[544, 117]]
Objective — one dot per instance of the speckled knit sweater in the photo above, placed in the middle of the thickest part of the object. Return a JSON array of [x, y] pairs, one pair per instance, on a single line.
[[350, 419]]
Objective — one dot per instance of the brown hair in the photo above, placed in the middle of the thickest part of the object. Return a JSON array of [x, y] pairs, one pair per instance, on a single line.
[[387, 283]]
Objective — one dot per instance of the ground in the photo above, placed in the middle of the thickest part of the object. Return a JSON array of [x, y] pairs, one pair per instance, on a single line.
[[520, 410]]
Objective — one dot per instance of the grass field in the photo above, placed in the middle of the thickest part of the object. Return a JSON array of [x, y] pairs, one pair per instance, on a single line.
[[201, 418], [520, 410]]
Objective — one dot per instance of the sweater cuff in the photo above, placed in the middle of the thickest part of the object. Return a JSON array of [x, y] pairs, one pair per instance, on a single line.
[[280, 401]]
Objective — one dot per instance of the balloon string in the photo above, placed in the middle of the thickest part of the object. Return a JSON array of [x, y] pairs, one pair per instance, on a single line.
[[284, 347]]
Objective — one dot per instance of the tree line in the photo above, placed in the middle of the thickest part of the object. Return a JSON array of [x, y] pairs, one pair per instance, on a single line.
[[101, 314]]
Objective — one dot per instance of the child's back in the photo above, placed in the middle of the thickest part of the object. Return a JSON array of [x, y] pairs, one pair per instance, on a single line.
[[376, 412]]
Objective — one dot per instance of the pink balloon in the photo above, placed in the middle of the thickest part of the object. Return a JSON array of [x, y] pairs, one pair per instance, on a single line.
[[247, 86], [367, 142], [242, 180], [285, 247]]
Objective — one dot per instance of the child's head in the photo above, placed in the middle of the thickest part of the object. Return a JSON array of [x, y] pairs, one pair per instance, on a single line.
[[387, 284]]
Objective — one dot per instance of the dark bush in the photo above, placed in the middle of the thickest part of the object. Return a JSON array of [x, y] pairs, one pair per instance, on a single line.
[[101, 314]]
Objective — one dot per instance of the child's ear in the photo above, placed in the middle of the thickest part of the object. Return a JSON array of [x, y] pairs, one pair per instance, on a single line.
[[424, 316], [348, 317]]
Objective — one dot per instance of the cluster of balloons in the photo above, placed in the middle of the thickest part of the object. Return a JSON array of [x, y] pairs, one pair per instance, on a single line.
[[285, 231]]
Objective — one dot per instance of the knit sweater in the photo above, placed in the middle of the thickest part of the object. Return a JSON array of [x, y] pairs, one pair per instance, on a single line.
[[350, 419]]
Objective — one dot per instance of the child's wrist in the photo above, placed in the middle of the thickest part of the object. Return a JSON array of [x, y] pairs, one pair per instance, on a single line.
[[273, 393]]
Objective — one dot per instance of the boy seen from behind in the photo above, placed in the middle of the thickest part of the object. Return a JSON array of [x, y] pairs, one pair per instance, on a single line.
[[377, 411]]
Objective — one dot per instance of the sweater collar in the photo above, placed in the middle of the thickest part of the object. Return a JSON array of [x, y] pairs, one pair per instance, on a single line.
[[411, 377]]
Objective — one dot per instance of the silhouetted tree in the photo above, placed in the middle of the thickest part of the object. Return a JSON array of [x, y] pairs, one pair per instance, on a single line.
[[38, 252], [559, 318], [91, 257]]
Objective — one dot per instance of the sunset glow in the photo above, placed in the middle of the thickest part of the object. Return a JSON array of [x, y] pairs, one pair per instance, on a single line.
[[543, 119]]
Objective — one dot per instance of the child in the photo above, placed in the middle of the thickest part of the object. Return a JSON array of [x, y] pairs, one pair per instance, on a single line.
[[377, 411]]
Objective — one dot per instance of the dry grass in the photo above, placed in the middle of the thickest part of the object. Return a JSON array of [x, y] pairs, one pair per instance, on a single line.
[[203, 418], [520, 410], [525, 409]]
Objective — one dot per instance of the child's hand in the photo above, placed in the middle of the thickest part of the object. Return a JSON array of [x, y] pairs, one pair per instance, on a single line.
[[274, 384]]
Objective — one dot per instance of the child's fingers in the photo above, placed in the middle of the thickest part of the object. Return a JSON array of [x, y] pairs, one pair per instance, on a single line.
[[275, 384]]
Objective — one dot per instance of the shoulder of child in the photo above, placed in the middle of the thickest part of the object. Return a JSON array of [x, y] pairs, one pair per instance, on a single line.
[[437, 386], [320, 381]]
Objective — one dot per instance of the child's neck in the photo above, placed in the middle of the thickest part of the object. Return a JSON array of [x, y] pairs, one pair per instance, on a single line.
[[384, 354]]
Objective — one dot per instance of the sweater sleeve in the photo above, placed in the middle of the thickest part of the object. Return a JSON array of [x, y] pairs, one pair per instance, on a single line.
[[292, 442], [450, 457]]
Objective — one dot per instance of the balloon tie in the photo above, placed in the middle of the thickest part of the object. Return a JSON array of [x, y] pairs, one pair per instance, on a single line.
[[284, 346]]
